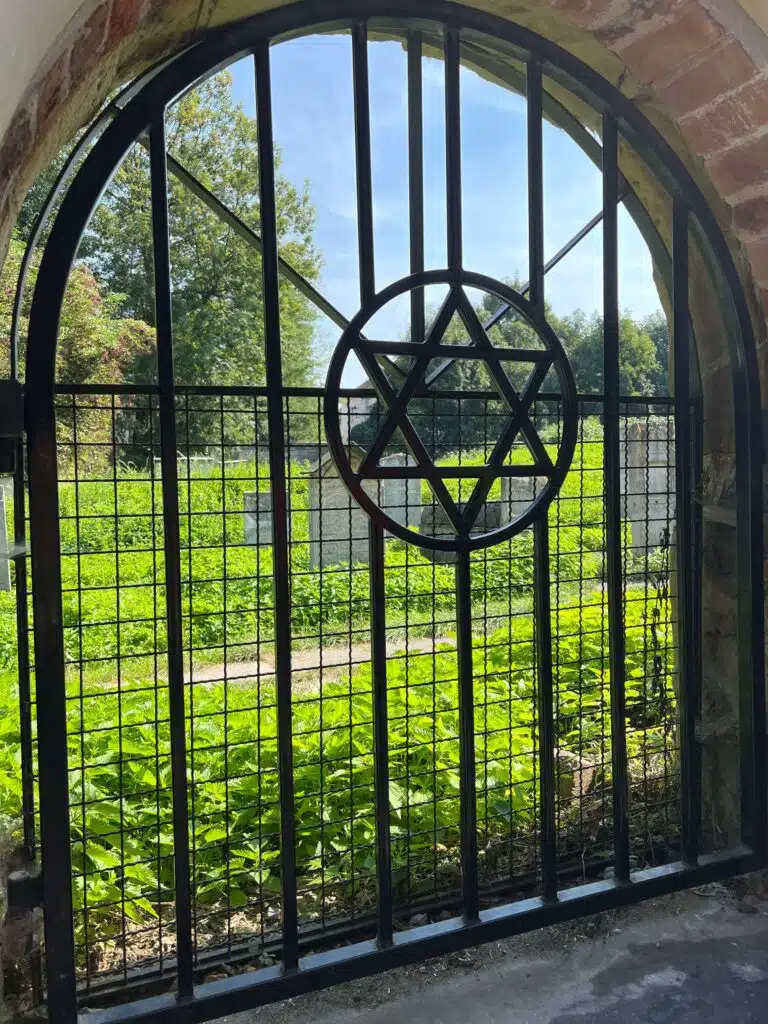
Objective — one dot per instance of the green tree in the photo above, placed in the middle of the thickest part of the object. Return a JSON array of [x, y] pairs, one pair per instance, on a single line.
[[96, 344], [656, 327], [217, 295], [640, 371]]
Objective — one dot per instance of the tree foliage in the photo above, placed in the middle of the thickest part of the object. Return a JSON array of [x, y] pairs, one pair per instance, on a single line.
[[447, 423], [96, 343], [216, 276]]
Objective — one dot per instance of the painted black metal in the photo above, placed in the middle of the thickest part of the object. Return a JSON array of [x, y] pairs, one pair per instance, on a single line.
[[273, 357], [140, 114], [416, 180], [396, 404], [363, 161], [170, 489], [689, 683], [321, 970], [467, 796], [546, 709], [380, 731], [535, 187], [620, 784]]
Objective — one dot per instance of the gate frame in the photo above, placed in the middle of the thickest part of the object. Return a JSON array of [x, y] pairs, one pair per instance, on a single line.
[[145, 111]]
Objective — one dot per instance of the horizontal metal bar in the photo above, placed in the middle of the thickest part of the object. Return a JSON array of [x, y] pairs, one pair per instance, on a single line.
[[321, 970], [465, 351], [258, 391], [454, 472]]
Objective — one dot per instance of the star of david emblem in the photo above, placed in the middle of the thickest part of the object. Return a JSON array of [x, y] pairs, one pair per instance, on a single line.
[[515, 425]]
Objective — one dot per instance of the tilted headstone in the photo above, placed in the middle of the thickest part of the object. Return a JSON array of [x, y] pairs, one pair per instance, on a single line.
[[338, 527], [648, 481], [258, 517], [518, 494], [435, 523]]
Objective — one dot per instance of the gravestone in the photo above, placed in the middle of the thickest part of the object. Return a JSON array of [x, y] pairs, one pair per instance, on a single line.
[[338, 527], [258, 517], [518, 494], [648, 481], [435, 523], [6, 483]]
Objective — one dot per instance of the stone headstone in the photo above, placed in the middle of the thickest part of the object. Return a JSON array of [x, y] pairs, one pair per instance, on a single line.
[[258, 517], [435, 523], [648, 481], [518, 494], [338, 527]]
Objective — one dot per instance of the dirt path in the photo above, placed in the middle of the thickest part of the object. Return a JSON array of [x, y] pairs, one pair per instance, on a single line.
[[309, 665]]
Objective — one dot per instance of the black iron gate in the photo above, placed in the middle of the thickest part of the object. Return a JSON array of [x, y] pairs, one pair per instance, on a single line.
[[488, 868]]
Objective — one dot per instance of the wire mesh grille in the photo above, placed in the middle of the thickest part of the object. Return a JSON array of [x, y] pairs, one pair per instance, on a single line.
[[118, 720]]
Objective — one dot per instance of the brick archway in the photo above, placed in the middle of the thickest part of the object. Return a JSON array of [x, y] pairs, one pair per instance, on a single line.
[[698, 67], [719, 734]]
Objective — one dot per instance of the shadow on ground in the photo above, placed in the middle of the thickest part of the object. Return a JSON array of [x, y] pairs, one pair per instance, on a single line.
[[694, 957]]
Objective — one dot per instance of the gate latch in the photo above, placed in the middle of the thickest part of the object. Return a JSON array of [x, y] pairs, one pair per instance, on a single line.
[[11, 423]]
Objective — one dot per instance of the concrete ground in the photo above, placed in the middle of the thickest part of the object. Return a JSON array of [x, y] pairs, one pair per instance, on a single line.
[[694, 957]]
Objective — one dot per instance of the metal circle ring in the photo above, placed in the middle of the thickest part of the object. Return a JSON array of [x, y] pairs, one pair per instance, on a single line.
[[553, 357]]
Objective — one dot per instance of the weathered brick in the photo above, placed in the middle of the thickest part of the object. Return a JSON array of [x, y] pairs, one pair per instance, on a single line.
[[688, 32], [757, 251], [52, 90], [751, 216], [742, 165], [713, 130], [89, 45], [16, 143], [627, 18], [735, 116], [123, 20], [583, 12], [721, 71]]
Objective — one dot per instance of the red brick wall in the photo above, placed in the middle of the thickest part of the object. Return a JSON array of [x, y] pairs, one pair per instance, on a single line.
[[699, 73]]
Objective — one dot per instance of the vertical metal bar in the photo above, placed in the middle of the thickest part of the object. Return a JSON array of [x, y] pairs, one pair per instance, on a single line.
[[545, 708], [690, 686], [53, 766], [280, 550], [543, 608], [22, 654], [380, 730], [453, 150], [611, 386], [25, 691], [363, 161], [467, 796], [170, 491], [535, 186], [416, 179]]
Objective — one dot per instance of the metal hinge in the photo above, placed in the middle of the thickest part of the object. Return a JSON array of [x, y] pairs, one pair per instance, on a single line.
[[11, 423]]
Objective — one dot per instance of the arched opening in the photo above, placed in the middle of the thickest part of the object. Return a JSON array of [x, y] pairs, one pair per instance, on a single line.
[[478, 853]]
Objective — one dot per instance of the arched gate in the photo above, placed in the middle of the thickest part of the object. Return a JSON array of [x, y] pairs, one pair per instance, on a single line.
[[473, 892]]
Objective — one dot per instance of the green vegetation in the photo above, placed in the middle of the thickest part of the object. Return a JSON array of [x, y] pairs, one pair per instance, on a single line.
[[121, 824]]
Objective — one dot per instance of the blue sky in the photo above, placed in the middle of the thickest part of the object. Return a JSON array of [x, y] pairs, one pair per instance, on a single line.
[[313, 125]]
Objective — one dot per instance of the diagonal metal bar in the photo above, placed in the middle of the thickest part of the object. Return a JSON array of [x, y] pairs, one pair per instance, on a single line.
[[242, 230], [398, 406], [505, 307], [413, 441], [506, 390], [252, 238], [503, 446]]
